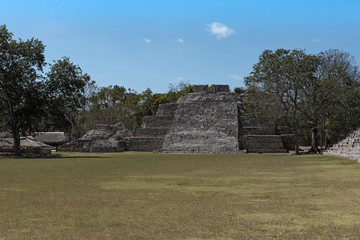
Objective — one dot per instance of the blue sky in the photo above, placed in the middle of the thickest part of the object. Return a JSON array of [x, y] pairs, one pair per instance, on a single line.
[[140, 44]]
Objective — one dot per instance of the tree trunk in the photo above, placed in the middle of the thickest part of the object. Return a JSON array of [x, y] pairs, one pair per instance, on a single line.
[[15, 130], [320, 138], [326, 140], [297, 149], [16, 137], [314, 145]]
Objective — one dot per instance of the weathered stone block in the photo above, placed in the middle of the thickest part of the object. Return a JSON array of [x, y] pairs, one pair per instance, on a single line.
[[145, 144], [201, 88], [167, 109], [151, 132], [221, 88], [200, 142], [261, 142], [157, 121]]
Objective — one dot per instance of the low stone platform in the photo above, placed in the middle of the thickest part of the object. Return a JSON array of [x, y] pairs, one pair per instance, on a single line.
[[28, 145], [146, 144], [272, 143], [267, 143]]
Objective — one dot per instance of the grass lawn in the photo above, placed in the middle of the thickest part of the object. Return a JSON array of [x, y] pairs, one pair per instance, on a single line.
[[179, 196]]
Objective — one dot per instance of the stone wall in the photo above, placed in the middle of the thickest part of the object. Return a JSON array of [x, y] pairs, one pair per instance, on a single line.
[[205, 122], [347, 148], [262, 143], [266, 139]]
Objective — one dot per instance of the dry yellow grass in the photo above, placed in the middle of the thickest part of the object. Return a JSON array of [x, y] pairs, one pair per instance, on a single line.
[[179, 196]]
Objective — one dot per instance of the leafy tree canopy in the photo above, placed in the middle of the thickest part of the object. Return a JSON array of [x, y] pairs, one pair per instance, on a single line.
[[21, 85]]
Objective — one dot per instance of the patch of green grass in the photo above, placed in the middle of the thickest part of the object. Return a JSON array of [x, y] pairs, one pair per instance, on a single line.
[[179, 196]]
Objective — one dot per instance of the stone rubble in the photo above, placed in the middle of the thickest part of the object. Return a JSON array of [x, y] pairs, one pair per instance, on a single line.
[[103, 138]]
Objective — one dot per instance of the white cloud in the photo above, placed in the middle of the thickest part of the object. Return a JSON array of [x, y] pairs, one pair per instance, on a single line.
[[220, 30], [317, 40], [146, 40], [236, 77], [179, 40], [181, 79]]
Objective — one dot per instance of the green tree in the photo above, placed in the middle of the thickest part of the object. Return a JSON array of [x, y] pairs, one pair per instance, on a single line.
[[284, 74], [337, 96], [177, 91], [261, 108], [105, 103], [66, 84], [150, 102], [21, 86], [114, 104]]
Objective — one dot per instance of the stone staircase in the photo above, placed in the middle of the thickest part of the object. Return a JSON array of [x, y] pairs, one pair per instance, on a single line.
[[150, 137], [347, 148]]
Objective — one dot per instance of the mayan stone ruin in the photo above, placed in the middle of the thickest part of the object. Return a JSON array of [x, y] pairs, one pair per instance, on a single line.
[[103, 138], [28, 146], [207, 122], [51, 138], [347, 148], [200, 122]]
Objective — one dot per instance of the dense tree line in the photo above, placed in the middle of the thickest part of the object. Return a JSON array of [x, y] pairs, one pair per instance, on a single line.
[[316, 95]]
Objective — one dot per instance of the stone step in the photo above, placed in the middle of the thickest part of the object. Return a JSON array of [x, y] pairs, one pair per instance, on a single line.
[[145, 144], [157, 121], [166, 109], [151, 132]]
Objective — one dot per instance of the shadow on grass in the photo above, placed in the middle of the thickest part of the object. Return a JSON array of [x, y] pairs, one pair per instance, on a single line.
[[59, 156], [53, 156]]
